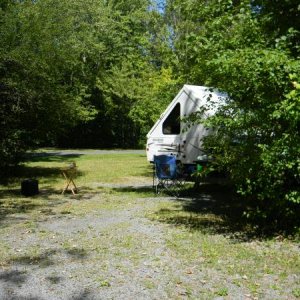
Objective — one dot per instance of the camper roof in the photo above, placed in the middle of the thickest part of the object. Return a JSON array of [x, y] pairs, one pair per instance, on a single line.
[[195, 92], [198, 90]]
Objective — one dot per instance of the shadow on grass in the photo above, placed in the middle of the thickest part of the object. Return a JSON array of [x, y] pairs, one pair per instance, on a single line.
[[148, 172], [15, 208], [143, 189], [77, 253], [11, 200], [84, 295], [54, 279], [16, 174], [13, 276], [43, 260], [231, 211], [51, 157], [48, 258], [214, 209], [16, 278], [12, 204]]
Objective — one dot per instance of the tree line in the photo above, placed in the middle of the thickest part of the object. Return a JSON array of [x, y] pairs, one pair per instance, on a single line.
[[74, 73], [90, 73]]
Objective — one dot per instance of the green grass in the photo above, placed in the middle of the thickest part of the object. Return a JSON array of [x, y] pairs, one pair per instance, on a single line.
[[107, 168], [199, 239], [93, 170], [204, 235]]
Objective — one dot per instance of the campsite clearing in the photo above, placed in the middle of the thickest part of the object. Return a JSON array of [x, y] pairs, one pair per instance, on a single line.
[[116, 240]]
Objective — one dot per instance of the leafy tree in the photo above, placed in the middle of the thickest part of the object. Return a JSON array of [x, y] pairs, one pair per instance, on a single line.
[[42, 63], [124, 88], [250, 50], [64, 63]]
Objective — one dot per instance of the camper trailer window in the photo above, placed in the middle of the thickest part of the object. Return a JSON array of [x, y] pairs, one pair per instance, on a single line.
[[172, 123]]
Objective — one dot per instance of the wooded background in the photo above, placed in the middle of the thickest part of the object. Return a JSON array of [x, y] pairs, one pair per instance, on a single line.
[[98, 73]]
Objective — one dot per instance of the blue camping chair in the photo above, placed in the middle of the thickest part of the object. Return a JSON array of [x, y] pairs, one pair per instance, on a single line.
[[166, 174]]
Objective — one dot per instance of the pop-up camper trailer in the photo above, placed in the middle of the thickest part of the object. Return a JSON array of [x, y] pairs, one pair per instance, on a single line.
[[170, 135]]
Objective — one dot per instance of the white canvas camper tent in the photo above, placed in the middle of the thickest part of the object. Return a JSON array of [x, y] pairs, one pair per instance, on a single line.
[[170, 135]]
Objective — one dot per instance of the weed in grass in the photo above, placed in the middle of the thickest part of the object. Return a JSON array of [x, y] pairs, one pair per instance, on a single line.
[[67, 245], [253, 287], [296, 292], [31, 225], [237, 282], [148, 284], [275, 287], [103, 282], [127, 242], [188, 291], [222, 292]]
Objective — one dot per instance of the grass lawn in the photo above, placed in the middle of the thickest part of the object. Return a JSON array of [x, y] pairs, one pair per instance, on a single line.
[[113, 236]]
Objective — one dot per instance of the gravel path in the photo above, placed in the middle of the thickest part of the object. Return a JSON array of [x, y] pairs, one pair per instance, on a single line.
[[113, 253], [124, 256]]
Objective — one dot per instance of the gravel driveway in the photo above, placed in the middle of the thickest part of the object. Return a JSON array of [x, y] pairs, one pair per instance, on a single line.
[[109, 254], [114, 252]]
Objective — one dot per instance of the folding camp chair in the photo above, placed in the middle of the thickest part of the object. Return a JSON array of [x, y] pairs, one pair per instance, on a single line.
[[166, 174]]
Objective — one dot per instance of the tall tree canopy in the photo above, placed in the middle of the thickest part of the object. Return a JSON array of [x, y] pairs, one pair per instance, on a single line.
[[85, 63]]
